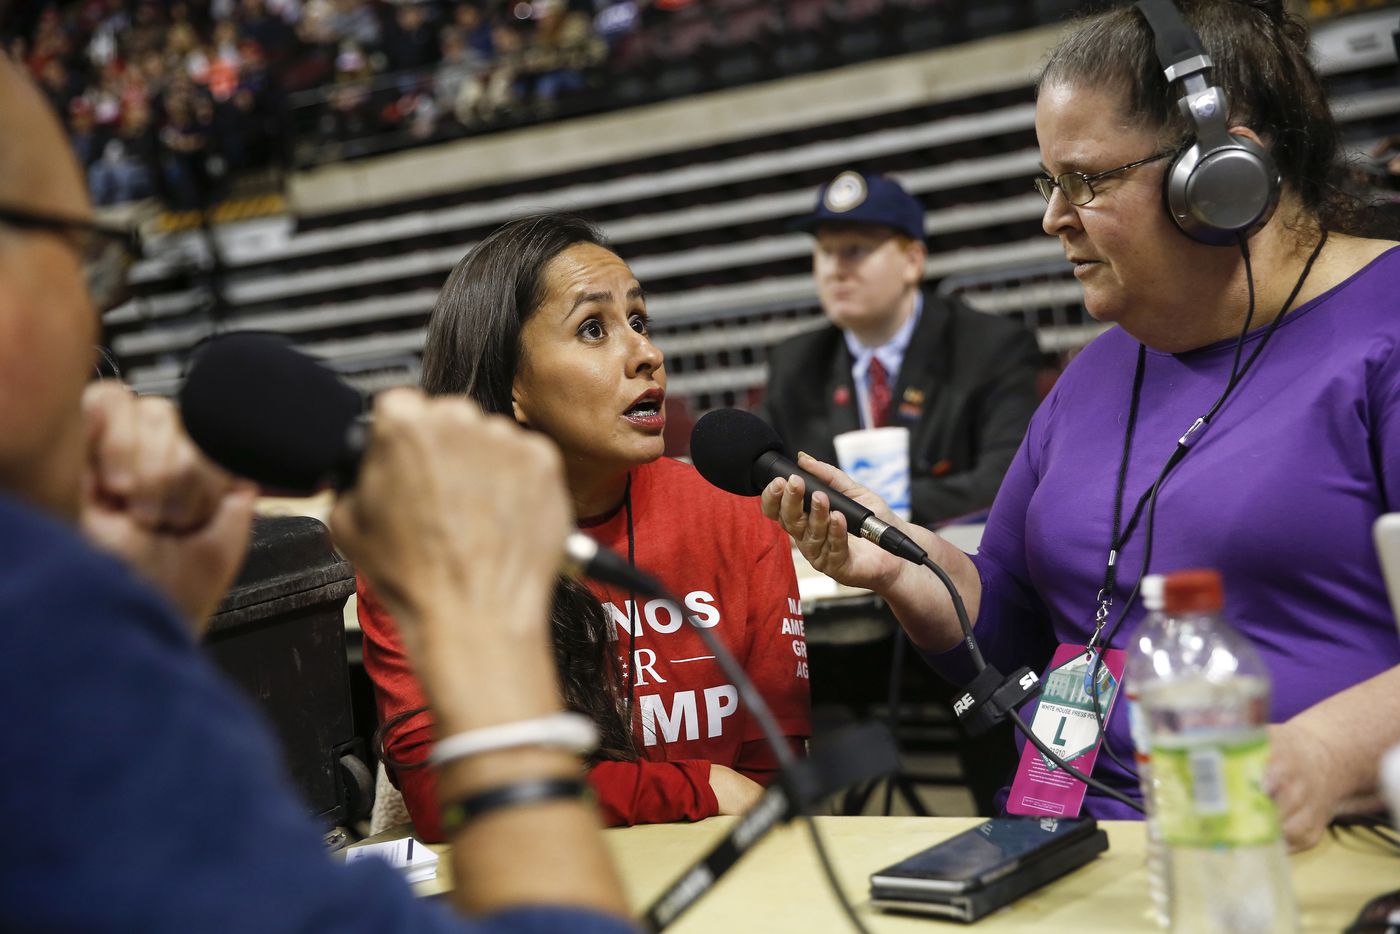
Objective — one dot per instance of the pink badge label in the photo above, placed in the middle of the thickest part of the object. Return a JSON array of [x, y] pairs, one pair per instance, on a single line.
[[1065, 721]]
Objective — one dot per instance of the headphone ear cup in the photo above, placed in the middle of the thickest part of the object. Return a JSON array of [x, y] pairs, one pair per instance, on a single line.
[[1216, 194]]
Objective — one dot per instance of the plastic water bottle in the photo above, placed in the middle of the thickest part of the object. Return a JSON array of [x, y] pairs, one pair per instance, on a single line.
[[1390, 781], [1150, 635], [1205, 700]]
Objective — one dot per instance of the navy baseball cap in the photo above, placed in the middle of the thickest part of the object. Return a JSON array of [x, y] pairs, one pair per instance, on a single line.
[[857, 198]]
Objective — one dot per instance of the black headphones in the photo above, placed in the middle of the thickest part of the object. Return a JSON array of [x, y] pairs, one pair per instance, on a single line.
[[1221, 186]]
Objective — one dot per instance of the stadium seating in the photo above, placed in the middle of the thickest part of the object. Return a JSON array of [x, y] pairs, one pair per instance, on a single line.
[[706, 229]]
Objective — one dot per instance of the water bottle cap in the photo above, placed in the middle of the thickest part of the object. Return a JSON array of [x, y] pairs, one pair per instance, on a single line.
[[1152, 592], [1195, 591]]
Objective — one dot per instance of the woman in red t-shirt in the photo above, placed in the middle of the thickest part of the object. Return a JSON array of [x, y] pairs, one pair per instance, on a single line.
[[544, 322]]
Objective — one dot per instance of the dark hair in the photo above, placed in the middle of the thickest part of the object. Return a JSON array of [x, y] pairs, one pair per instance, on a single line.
[[1260, 57], [473, 343], [473, 349]]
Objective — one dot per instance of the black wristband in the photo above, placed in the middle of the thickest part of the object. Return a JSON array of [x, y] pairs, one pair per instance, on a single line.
[[526, 791]]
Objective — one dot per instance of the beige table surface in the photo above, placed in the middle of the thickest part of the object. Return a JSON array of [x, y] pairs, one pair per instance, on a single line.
[[778, 887]]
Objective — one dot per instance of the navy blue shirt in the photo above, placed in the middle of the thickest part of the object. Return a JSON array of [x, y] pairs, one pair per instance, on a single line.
[[142, 792]]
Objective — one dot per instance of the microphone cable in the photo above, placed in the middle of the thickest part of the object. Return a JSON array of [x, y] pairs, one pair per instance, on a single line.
[[980, 664], [1371, 829], [782, 752]]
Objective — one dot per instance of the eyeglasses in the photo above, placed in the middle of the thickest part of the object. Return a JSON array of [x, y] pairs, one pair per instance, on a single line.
[[1079, 188], [107, 253]]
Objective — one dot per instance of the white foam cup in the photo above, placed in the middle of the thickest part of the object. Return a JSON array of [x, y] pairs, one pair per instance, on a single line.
[[878, 459]]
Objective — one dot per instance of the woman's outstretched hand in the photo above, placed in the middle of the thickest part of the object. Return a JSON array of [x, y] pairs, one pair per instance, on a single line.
[[823, 535]]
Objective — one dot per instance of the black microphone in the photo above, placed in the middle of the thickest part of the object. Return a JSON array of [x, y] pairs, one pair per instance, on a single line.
[[739, 453], [263, 410]]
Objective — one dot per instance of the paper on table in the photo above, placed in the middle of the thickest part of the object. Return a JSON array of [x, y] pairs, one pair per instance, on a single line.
[[418, 862]]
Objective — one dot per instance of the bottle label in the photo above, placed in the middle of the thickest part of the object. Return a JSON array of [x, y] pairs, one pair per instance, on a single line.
[[1211, 794], [1137, 725]]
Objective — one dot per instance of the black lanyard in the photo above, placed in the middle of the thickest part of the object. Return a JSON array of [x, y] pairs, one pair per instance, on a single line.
[[1183, 445], [1119, 537], [631, 603]]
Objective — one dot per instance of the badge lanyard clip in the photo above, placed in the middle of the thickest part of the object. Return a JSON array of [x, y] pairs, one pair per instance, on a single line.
[[1105, 601]]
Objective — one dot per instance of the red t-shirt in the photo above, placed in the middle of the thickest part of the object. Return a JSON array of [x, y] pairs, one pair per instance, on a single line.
[[732, 569]]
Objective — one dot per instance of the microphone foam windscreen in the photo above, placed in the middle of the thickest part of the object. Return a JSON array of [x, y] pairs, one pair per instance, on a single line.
[[724, 445], [263, 410]]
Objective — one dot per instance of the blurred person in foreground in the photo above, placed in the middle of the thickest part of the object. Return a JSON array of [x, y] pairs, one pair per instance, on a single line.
[[1280, 493], [963, 383], [150, 796], [543, 322]]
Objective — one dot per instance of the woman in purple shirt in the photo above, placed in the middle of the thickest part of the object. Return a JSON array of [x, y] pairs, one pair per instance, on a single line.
[[1279, 493]]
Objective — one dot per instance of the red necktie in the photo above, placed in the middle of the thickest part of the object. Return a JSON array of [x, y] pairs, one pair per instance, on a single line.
[[878, 388]]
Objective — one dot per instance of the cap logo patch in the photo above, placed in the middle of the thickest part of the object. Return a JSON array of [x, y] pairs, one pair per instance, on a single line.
[[845, 192]]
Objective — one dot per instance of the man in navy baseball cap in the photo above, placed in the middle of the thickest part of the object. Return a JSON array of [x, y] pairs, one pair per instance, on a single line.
[[868, 260], [871, 200], [962, 382]]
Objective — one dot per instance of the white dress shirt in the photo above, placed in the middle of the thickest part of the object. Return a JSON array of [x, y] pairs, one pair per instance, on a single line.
[[891, 354]]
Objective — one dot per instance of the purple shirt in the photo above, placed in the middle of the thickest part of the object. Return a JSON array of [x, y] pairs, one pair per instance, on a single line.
[[1279, 495]]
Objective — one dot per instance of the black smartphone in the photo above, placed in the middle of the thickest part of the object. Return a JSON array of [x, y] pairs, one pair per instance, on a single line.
[[980, 856]]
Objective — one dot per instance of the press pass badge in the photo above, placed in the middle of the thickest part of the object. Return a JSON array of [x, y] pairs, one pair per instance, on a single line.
[[1065, 722]]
